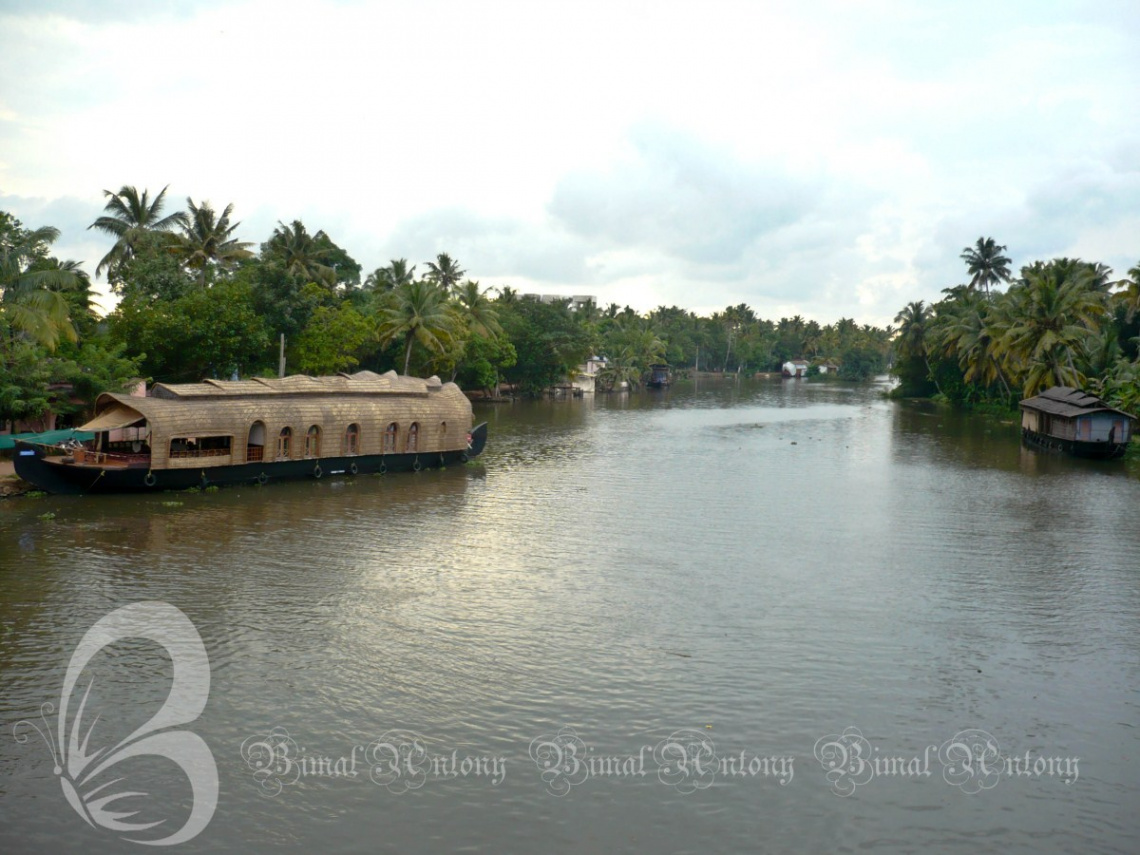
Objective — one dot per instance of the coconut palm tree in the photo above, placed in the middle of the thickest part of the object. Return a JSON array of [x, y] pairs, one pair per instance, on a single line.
[[207, 240], [31, 301], [965, 330], [418, 311], [128, 217], [389, 278], [301, 254], [477, 310], [1130, 296], [1051, 314], [445, 271], [986, 264]]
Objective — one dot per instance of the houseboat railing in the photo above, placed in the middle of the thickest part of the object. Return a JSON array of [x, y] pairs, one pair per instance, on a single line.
[[202, 452], [108, 458]]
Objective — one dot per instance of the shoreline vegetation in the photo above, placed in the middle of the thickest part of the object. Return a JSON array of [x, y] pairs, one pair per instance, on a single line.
[[197, 302]]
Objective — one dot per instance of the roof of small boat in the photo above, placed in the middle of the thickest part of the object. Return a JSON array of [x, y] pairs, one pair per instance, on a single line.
[[1069, 402]]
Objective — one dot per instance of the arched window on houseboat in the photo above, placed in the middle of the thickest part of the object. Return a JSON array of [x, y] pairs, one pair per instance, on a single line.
[[255, 445], [285, 444], [390, 435], [352, 440], [442, 435], [313, 442], [413, 437]]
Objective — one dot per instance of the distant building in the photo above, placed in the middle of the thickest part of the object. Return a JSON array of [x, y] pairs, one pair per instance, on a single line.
[[585, 380], [828, 368], [796, 368], [578, 301]]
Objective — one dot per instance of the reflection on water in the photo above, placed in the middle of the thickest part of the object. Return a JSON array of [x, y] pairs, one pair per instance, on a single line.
[[761, 563]]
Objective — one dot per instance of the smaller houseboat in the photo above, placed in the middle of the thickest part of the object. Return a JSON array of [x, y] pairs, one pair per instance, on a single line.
[[659, 377], [1075, 422]]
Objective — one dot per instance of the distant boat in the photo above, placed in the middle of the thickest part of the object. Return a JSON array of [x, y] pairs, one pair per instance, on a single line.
[[255, 431], [659, 377], [1075, 422]]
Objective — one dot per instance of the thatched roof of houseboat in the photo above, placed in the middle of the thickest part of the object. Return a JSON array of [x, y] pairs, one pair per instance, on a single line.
[[362, 382], [1069, 403], [313, 398]]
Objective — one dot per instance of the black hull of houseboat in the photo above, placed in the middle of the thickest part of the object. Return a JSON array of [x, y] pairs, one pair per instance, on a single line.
[[1077, 448], [68, 478]]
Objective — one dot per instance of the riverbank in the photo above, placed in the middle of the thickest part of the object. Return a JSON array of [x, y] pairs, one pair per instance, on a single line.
[[10, 483]]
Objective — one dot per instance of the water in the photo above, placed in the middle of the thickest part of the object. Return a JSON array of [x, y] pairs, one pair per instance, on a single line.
[[751, 567]]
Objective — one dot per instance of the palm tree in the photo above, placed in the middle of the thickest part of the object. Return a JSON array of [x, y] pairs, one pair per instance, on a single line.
[[477, 310], [965, 330], [389, 278], [445, 271], [1051, 314], [986, 264], [418, 311], [303, 255], [207, 240], [128, 218], [31, 301], [1130, 296], [911, 343]]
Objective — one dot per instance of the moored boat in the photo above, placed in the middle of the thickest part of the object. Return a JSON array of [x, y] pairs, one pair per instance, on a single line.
[[660, 376], [1075, 422], [255, 431]]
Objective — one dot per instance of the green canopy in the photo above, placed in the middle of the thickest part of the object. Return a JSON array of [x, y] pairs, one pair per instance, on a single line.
[[52, 437]]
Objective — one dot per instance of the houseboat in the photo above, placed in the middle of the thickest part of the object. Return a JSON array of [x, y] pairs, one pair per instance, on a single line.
[[1075, 422], [659, 377], [260, 430]]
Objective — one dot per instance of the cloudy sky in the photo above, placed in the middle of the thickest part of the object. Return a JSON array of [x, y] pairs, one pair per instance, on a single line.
[[821, 157]]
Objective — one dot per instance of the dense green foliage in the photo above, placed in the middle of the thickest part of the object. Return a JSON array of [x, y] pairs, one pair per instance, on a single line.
[[196, 302], [53, 354], [1061, 323]]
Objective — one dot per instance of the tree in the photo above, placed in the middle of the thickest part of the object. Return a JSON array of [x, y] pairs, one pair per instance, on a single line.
[[128, 218], [912, 363], [31, 302], [484, 361], [209, 332], [477, 310], [445, 271], [1051, 313], [207, 240], [300, 254], [986, 264], [153, 272], [389, 278], [417, 311], [1130, 295], [547, 339], [331, 340], [860, 362]]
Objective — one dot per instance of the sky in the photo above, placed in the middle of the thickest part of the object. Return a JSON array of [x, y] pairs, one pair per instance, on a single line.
[[824, 158]]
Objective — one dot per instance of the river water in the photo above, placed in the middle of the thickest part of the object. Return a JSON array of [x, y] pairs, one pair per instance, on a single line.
[[751, 616]]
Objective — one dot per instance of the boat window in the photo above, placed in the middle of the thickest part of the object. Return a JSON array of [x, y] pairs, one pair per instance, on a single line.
[[443, 435], [413, 436], [390, 435], [313, 442], [352, 439], [200, 446], [255, 445], [285, 444]]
